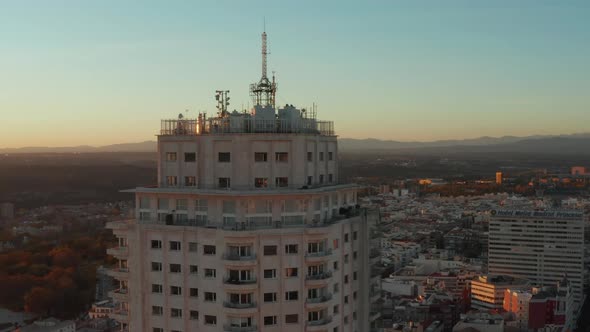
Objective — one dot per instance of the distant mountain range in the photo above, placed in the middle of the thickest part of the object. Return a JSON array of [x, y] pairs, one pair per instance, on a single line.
[[571, 144]]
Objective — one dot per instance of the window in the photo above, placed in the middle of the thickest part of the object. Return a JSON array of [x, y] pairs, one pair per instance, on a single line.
[[224, 157], [194, 315], [144, 202], [309, 156], [156, 266], [175, 245], [193, 269], [260, 157], [354, 275], [210, 273], [321, 180], [346, 299], [291, 296], [170, 156], [321, 156], [354, 295], [346, 237], [335, 265], [156, 244], [291, 272], [346, 279], [291, 319], [145, 216], [171, 181], [270, 297], [309, 180], [157, 329], [175, 313], [270, 320], [190, 157], [281, 157], [208, 250], [157, 288], [175, 268], [282, 182], [190, 181], [270, 274], [335, 244], [346, 258], [291, 249], [336, 288], [201, 205], [224, 182], [314, 315], [355, 255], [194, 292], [354, 235], [336, 309], [330, 178], [175, 290], [260, 182], [210, 297], [270, 250], [193, 246], [210, 320], [157, 310], [330, 155]]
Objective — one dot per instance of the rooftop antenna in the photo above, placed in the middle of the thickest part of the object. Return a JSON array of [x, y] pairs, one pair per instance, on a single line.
[[263, 93]]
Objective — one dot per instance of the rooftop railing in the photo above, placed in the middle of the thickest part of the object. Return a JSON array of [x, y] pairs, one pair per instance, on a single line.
[[244, 125]]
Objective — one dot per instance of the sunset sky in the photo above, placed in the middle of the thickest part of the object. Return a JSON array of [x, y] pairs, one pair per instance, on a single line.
[[104, 72]]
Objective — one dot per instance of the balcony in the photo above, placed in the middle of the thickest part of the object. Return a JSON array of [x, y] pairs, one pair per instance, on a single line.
[[319, 299], [239, 258], [120, 315], [118, 251], [319, 322], [118, 225], [120, 295], [235, 328], [318, 255], [232, 281], [237, 305], [318, 279], [120, 273], [319, 276]]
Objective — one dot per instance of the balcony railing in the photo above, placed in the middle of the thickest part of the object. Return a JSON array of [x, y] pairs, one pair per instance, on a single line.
[[236, 328], [249, 226], [238, 257], [320, 299], [233, 281], [323, 253], [237, 305], [319, 276], [244, 124], [319, 322]]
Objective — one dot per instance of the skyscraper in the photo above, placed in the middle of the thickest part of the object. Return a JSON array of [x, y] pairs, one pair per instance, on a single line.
[[542, 246], [248, 229]]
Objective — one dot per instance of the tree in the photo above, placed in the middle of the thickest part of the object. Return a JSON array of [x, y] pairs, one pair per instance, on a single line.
[[40, 300]]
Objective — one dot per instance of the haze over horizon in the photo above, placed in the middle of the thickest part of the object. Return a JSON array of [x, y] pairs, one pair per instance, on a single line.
[[100, 73]]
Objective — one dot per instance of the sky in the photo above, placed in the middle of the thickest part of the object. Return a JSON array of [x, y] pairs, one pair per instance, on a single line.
[[104, 72]]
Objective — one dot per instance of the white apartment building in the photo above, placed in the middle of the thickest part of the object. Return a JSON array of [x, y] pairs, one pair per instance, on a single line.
[[542, 246], [248, 229]]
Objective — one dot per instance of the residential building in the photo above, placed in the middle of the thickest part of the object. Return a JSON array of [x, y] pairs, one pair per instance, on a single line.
[[480, 321], [248, 229]]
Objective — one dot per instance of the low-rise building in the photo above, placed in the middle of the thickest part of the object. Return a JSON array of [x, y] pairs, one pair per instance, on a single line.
[[49, 325], [480, 321], [488, 291]]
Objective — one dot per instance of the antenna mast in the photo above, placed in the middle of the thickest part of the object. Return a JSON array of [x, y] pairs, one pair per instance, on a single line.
[[264, 92]]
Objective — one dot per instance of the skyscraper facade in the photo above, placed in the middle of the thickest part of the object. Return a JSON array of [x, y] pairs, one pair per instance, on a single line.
[[249, 228]]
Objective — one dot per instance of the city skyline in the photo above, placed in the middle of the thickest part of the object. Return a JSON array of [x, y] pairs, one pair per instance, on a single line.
[[75, 73]]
